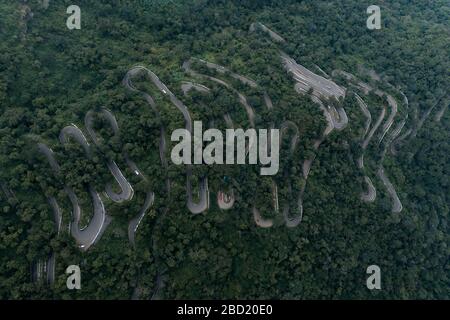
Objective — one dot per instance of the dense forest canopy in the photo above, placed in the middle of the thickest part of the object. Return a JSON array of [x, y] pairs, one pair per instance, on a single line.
[[52, 78]]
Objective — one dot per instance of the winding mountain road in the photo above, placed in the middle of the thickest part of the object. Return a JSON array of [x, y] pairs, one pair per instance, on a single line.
[[203, 203], [87, 236]]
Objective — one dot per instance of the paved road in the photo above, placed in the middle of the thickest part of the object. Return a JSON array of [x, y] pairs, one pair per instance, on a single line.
[[306, 79], [249, 110], [323, 89], [339, 118], [135, 222], [225, 201], [374, 129], [441, 112], [127, 82], [260, 221], [366, 112], [292, 220], [74, 132], [371, 193], [203, 203], [87, 236], [57, 213], [128, 190], [390, 120], [187, 86], [242, 99], [257, 25], [396, 204], [444, 100]]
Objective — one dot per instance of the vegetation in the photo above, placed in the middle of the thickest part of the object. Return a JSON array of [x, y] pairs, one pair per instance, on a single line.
[[51, 76]]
